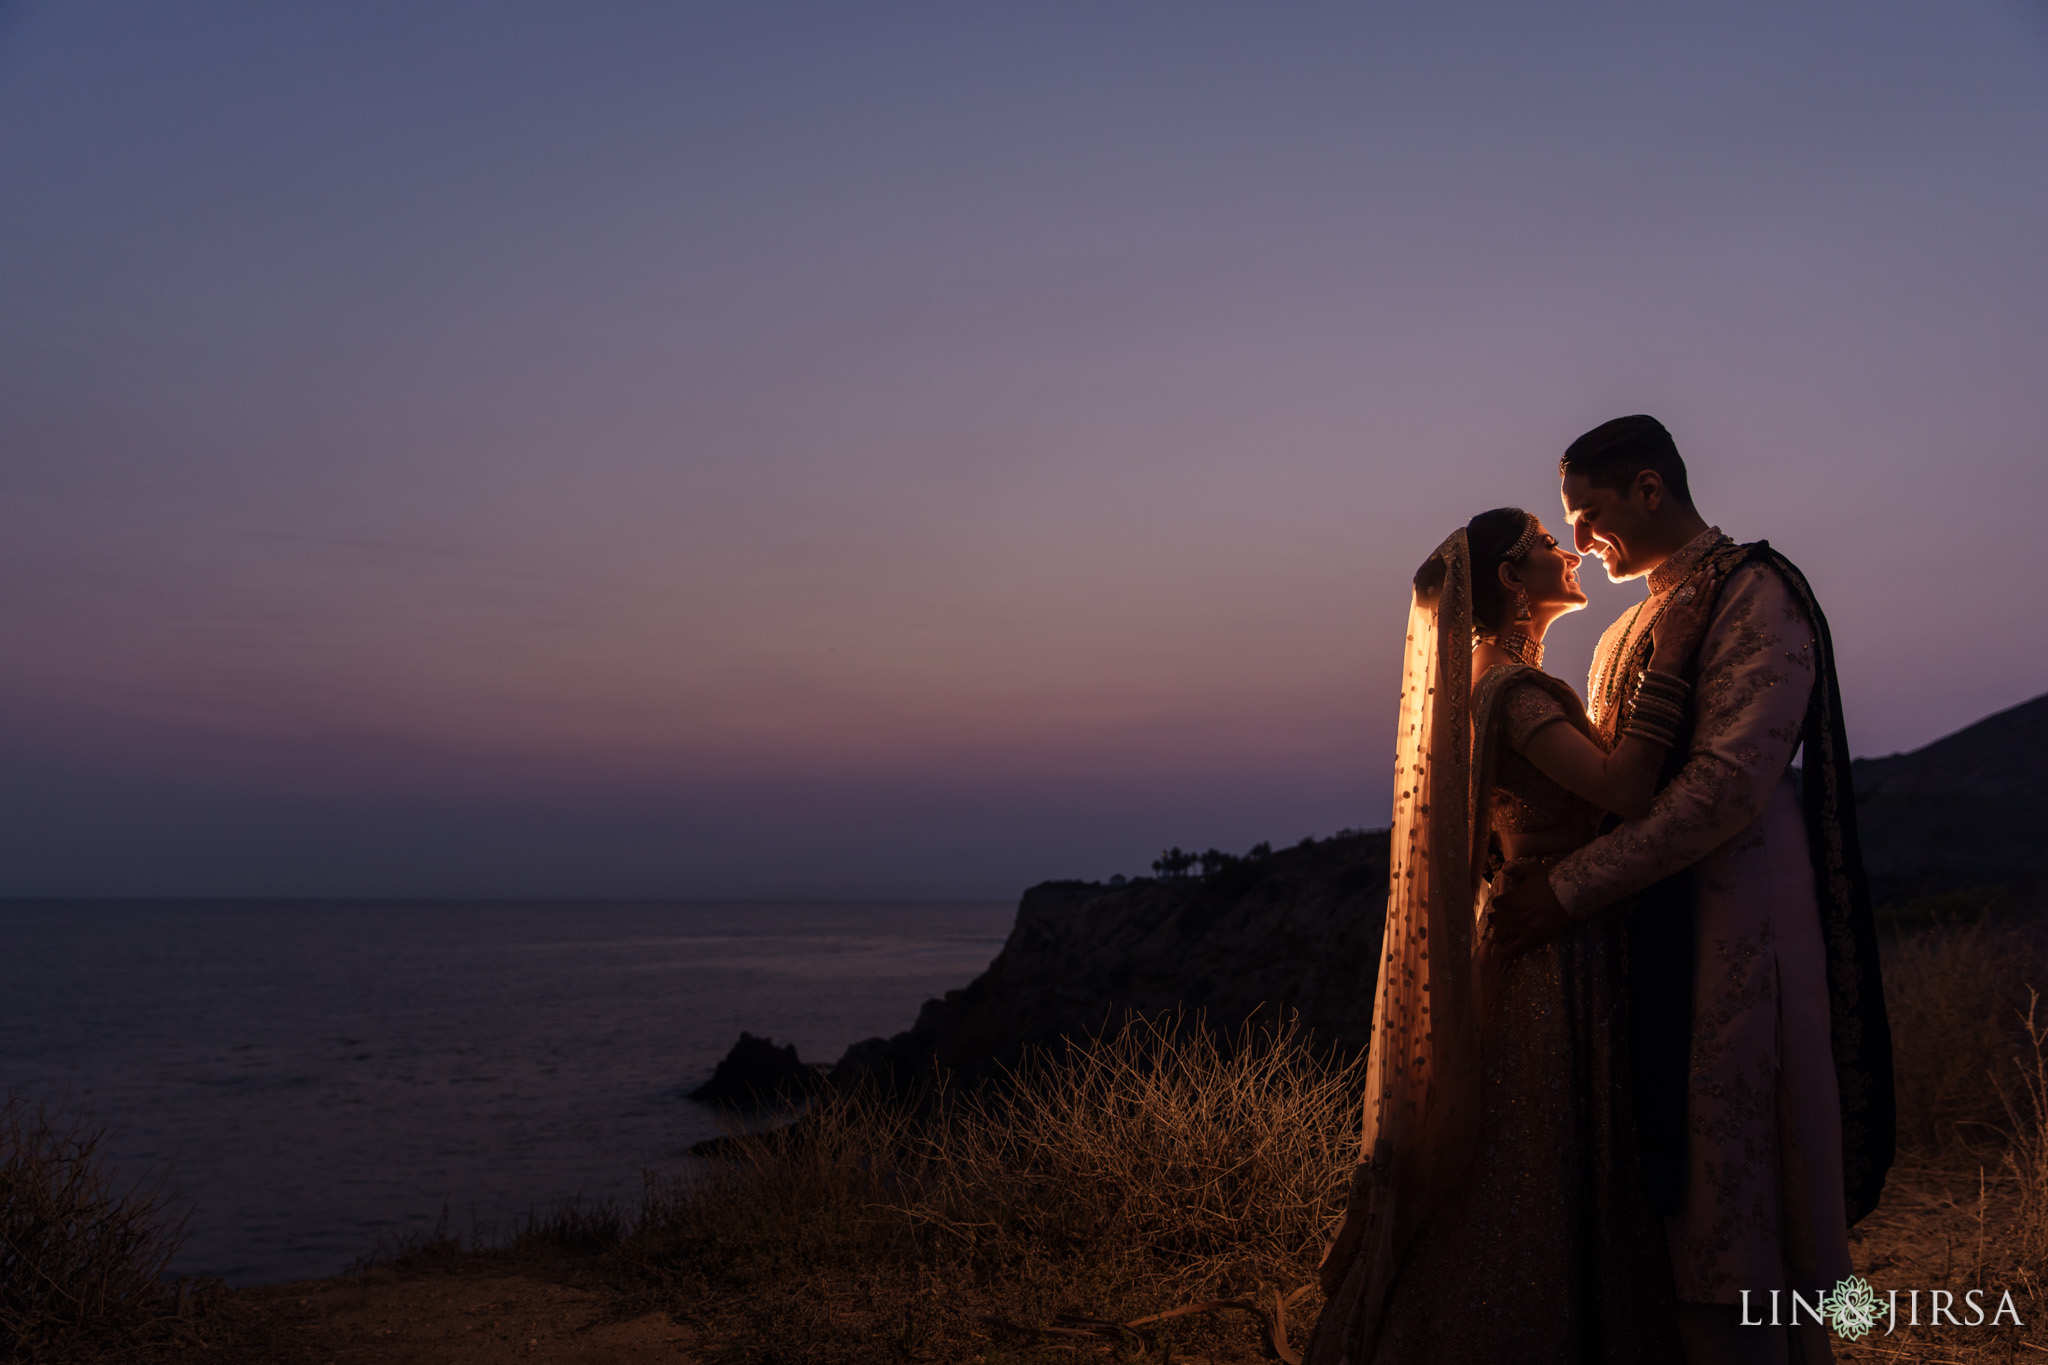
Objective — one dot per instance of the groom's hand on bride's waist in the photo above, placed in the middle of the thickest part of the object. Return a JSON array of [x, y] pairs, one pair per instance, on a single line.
[[1526, 914]]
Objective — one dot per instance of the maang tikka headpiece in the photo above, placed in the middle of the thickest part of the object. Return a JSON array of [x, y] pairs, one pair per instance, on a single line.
[[1526, 541]]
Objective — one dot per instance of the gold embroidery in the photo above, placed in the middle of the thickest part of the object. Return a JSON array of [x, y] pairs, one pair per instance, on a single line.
[[1685, 559], [1732, 1118], [1601, 693], [1524, 799]]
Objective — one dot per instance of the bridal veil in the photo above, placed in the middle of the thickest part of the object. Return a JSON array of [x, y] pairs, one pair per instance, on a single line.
[[1422, 1072]]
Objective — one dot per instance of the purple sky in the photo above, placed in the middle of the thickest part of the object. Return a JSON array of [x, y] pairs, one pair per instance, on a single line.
[[919, 450]]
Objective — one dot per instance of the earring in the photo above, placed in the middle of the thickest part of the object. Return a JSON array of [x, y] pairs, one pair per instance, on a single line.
[[1521, 605]]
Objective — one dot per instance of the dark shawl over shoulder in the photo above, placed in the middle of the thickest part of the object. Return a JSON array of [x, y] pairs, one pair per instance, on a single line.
[[1862, 1033], [1660, 950]]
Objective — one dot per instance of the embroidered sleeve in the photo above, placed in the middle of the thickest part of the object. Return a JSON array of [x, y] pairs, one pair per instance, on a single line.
[[1525, 710], [1756, 673]]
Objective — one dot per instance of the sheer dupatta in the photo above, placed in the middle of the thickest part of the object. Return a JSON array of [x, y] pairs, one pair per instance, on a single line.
[[1422, 1073]]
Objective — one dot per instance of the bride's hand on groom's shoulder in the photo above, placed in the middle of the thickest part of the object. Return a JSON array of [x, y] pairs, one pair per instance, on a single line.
[[1526, 914]]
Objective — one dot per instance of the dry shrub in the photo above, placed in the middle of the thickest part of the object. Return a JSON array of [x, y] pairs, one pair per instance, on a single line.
[[1131, 1174], [1219, 1164], [1956, 991], [82, 1262]]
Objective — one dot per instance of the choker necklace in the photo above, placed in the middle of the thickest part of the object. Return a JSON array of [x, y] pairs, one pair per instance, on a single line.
[[1515, 645]]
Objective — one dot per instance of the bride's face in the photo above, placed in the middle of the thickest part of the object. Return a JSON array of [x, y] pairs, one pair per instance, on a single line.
[[1549, 573]]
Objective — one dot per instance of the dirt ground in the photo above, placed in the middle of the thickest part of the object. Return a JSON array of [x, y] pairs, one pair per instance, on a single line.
[[462, 1312], [1938, 1227]]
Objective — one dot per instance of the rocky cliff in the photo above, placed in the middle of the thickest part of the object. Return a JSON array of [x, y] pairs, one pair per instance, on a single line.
[[1296, 930]]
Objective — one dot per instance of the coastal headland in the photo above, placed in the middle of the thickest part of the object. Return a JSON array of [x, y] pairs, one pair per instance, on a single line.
[[856, 1234]]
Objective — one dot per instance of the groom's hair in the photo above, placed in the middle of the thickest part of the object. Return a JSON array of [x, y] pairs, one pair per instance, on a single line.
[[1613, 453]]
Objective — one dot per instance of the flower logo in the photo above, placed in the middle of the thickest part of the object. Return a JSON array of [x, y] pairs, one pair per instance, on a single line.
[[1852, 1309]]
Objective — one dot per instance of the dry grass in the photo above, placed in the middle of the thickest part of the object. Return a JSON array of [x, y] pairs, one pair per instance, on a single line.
[[1967, 1207], [82, 1261], [1133, 1175], [1957, 992], [569, 1228], [1950, 1221], [788, 1199], [2026, 1153]]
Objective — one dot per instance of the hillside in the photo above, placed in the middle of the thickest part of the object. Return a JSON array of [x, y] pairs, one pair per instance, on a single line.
[[1961, 817]]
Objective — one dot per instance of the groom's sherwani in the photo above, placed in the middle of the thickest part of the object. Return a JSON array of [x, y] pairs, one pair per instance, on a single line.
[[1777, 907]]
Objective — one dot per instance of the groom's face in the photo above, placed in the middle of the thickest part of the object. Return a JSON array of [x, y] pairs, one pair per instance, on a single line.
[[1604, 522]]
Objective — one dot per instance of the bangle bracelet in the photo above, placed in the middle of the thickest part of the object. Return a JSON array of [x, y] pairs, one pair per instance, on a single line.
[[1653, 734], [1657, 707], [1663, 684]]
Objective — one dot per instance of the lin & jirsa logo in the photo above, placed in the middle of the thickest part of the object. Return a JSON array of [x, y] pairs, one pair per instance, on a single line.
[[1853, 1309]]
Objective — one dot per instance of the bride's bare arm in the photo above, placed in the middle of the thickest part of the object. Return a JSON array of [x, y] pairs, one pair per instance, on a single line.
[[1624, 781]]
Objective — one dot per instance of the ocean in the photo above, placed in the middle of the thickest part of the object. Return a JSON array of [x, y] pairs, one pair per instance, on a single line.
[[318, 1076]]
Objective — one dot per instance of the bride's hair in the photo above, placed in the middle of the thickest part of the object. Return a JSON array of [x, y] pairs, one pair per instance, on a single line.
[[1489, 536]]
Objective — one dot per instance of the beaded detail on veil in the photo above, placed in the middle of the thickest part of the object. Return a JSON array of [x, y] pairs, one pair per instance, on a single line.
[[1422, 1078]]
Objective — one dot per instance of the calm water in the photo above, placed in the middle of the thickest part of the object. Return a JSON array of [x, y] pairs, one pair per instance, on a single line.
[[321, 1074]]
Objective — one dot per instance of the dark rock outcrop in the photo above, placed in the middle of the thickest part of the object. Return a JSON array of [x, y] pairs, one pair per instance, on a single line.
[[1295, 931], [756, 1072]]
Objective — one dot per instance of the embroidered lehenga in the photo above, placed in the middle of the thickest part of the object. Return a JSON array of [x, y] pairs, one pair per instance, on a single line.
[[1506, 1220]]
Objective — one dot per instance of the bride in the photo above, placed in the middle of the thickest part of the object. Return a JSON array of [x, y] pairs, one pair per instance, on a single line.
[[1495, 1214]]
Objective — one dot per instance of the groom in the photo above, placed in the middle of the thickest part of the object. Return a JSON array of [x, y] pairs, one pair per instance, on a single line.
[[1760, 1051]]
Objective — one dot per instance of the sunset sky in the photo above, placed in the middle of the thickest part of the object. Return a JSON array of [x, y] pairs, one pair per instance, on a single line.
[[876, 449]]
